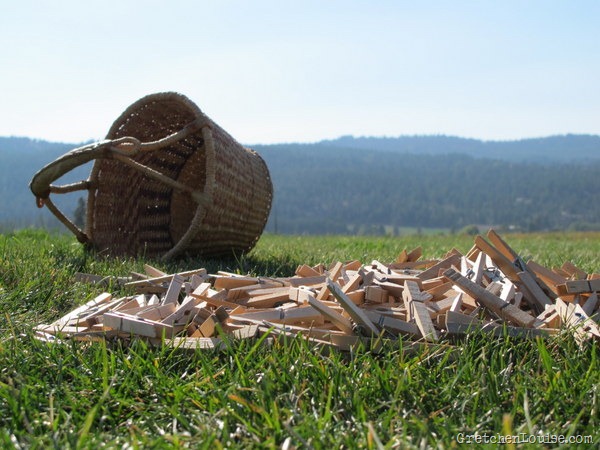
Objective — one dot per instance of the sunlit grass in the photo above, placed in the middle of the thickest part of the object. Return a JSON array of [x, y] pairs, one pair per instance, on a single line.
[[267, 393]]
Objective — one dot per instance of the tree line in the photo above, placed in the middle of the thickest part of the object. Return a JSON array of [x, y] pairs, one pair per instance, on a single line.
[[341, 190], [327, 187]]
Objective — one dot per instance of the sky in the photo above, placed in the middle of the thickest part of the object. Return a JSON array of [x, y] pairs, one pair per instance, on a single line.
[[302, 71]]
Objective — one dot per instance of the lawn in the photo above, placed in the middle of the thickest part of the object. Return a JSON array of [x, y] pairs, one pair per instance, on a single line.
[[287, 394]]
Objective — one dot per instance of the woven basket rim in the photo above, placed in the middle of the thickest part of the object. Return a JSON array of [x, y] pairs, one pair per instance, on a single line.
[[157, 96]]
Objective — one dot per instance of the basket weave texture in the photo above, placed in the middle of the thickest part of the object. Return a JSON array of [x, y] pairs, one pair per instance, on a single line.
[[130, 213], [167, 181]]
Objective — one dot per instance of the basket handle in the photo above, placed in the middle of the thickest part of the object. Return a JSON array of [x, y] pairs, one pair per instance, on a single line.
[[121, 149]]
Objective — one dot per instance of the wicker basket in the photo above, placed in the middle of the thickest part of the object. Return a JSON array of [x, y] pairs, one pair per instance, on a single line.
[[167, 181]]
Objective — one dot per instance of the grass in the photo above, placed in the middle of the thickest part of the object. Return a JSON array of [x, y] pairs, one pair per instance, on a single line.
[[255, 395]]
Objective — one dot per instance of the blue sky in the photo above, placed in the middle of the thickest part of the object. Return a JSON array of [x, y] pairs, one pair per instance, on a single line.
[[283, 71]]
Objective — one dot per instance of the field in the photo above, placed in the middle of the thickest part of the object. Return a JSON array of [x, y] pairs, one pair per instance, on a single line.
[[286, 395]]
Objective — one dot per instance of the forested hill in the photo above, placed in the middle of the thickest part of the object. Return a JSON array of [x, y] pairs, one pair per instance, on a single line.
[[329, 187], [337, 189], [567, 148]]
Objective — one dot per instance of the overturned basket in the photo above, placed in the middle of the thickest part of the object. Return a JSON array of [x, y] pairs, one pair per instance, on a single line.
[[166, 181]]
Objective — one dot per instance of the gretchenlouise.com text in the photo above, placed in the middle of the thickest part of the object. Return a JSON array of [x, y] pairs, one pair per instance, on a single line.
[[522, 438]]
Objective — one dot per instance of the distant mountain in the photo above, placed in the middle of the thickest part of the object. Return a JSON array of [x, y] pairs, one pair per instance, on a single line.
[[377, 185], [337, 190], [547, 150]]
